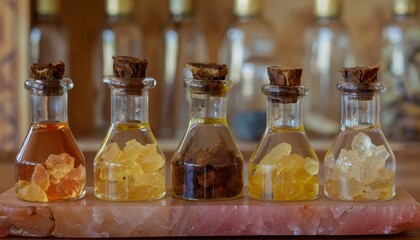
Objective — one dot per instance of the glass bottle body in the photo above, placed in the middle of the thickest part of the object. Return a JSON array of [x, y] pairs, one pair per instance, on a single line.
[[129, 165], [121, 37], [49, 166], [327, 48], [400, 51], [48, 41], [284, 165], [211, 169], [360, 165], [248, 48], [184, 42]]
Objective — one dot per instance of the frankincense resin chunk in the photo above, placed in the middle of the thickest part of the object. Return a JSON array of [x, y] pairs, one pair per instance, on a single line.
[[359, 173], [58, 180], [134, 173], [284, 176]]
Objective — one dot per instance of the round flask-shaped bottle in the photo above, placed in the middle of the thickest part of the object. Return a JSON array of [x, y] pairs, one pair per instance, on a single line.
[[49, 166], [284, 165], [207, 165], [129, 166], [360, 165]]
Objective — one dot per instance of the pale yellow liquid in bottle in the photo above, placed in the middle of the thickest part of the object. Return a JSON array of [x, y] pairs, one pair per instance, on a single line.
[[129, 166], [280, 174]]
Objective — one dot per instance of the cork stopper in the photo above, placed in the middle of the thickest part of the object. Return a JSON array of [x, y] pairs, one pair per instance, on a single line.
[[360, 74], [129, 67], [208, 78], [364, 77], [208, 71], [48, 71], [284, 77]]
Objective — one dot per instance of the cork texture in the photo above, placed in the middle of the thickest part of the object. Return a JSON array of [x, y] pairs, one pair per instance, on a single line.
[[129, 67], [48, 71]]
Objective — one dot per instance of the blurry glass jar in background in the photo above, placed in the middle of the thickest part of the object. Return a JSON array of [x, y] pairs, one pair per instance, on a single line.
[[184, 41], [327, 48], [48, 35], [401, 66], [248, 48], [121, 36]]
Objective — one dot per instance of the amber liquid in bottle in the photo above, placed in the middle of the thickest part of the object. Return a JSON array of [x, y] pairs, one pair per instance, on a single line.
[[60, 140], [49, 166]]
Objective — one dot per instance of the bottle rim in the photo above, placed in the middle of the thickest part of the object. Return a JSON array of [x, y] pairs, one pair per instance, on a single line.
[[49, 86], [129, 83], [360, 88], [208, 86], [274, 91]]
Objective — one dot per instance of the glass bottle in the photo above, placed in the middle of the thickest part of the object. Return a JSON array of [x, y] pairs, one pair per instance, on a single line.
[[121, 36], [400, 59], [284, 165], [248, 47], [327, 48], [129, 165], [184, 42], [49, 166], [48, 35], [207, 164], [360, 165]]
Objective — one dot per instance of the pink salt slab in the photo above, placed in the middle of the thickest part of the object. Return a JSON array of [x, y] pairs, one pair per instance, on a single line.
[[90, 217]]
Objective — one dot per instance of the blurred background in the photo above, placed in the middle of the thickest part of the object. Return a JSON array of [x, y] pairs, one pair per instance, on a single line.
[[248, 35]]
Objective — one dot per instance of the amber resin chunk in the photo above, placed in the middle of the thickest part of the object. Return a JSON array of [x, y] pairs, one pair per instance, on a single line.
[[48, 71], [129, 67]]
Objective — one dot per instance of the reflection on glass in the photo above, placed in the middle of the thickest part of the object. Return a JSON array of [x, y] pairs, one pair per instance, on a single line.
[[121, 36], [248, 48], [327, 48], [401, 65], [48, 37], [184, 42]]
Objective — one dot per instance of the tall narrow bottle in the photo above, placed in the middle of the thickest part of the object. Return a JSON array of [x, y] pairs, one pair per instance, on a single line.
[[121, 36], [327, 48], [360, 165], [129, 166], [49, 166], [184, 41], [401, 73], [248, 48], [48, 36]]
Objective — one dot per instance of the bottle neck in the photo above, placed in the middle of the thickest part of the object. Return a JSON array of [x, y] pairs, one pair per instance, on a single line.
[[284, 106], [359, 113], [129, 99], [208, 100], [48, 108], [129, 108], [284, 115], [206, 108]]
